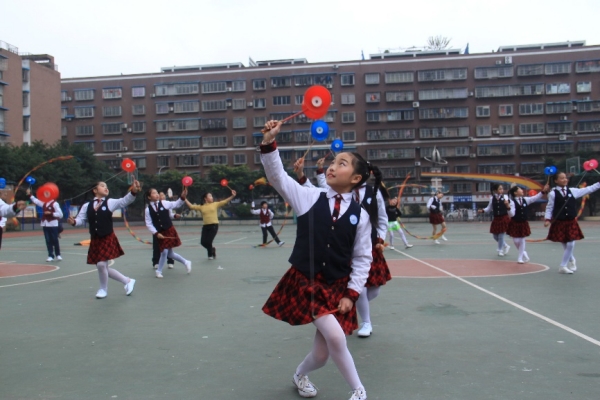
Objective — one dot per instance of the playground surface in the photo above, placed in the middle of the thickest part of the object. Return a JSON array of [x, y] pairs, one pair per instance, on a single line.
[[455, 322]]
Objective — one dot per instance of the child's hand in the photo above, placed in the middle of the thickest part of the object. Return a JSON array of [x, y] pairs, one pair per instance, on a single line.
[[71, 221], [299, 165], [184, 193], [272, 128], [345, 305], [136, 187], [320, 162], [160, 236], [546, 223], [379, 247], [233, 193]]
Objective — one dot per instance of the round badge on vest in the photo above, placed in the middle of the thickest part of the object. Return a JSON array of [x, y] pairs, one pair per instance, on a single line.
[[161, 209], [103, 208], [369, 200], [353, 219]]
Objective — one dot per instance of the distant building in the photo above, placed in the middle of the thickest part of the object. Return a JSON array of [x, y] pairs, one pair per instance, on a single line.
[[498, 112], [29, 97]]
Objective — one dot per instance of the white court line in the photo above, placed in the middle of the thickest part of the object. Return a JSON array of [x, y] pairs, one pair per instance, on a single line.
[[56, 268], [236, 240], [7, 262], [110, 263], [512, 303]]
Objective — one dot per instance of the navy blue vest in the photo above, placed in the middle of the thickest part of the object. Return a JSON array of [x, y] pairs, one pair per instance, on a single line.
[[333, 242], [567, 211], [161, 219], [101, 222], [498, 206], [520, 210], [437, 208]]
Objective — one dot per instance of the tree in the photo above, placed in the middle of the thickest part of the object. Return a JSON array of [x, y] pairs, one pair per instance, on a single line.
[[437, 42]]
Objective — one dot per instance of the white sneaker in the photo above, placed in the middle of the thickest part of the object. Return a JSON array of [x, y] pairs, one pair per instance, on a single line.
[[436, 241], [408, 246], [170, 266], [305, 386], [444, 238], [59, 258], [506, 249], [571, 265], [500, 253], [359, 394], [280, 244], [155, 266], [525, 257], [49, 259], [158, 274], [564, 270], [100, 294], [211, 258], [188, 266], [520, 262], [391, 247], [365, 330], [129, 286]]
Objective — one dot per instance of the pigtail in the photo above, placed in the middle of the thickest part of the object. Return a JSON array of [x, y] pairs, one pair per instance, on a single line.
[[373, 208]]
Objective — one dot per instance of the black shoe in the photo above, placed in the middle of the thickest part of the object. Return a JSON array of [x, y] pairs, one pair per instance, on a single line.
[[214, 252]]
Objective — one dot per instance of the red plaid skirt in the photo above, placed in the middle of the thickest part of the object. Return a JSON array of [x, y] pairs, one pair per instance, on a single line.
[[104, 249], [436, 218], [500, 224], [565, 231], [165, 244], [518, 229], [379, 273], [294, 300]]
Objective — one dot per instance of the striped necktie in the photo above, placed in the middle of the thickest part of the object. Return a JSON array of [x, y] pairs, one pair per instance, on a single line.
[[336, 207]]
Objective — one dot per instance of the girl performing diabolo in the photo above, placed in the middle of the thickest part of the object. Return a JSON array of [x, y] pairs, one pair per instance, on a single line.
[[393, 213], [266, 216], [330, 261], [50, 220], [500, 205], [436, 214], [104, 245]]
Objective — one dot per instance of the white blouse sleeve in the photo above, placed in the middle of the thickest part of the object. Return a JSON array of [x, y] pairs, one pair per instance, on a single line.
[[361, 254]]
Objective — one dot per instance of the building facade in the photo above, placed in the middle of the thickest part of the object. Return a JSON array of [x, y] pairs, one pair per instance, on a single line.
[[498, 112], [29, 97]]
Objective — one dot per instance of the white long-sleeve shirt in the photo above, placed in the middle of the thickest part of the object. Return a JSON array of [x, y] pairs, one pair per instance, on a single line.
[[576, 192], [430, 202], [58, 214], [169, 205], [259, 211], [302, 199], [113, 204], [6, 210], [528, 200]]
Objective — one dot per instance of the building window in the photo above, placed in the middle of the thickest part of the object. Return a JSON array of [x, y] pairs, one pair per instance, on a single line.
[[390, 134], [482, 111], [239, 159], [259, 84], [558, 88], [138, 91], [532, 128], [588, 126], [25, 99], [260, 103], [509, 90], [557, 68], [281, 81], [112, 145], [178, 143], [505, 110], [138, 127], [560, 148], [238, 86], [25, 75], [555, 128], [532, 168], [239, 122], [63, 131], [63, 112], [112, 129], [25, 124], [399, 77], [64, 95], [84, 112], [372, 79], [349, 136], [450, 74], [282, 100], [215, 160], [462, 169], [484, 130], [496, 150], [284, 137], [587, 66], [163, 108], [442, 94], [239, 141], [112, 111], [584, 87], [484, 187], [162, 161], [84, 94], [214, 87], [139, 145], [214, 123], [176, 89], [506, 130], [443, 113], [259, 122], [88, 145], [84, 130], [531, 109], [348, 117], [533, 148], [588, 106], [494, 72], [461, 188], [347, 79], [239, 104], [112, 93], [304, 80], [348, 98], [530, 70], [397, 97], [385, 154], [187, 160], [214, 105], [373, 97], [214, 141], [138, 109], [565, 107], [182, 107], [444, 132]]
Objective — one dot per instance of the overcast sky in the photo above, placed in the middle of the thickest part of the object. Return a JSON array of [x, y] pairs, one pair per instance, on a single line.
[[110, 37]]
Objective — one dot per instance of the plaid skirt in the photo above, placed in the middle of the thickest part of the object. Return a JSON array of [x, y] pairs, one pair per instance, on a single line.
[[500, 224], [104, 249], [518, 229], [379, 273], [165, 244], [436, 218], [565, 231], [295, 301]]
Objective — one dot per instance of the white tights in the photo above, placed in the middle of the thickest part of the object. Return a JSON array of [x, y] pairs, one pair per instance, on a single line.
[[362, 305], [402, 235], [330, 340], [499, 237], [520, 245], [104, 272], [568, 254], [168, 253]]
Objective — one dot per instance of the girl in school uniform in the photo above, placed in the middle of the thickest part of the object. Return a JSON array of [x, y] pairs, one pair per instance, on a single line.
[[52, 214], [209, 210], [266, 216], [436, 214], [2, 225], [393, 213], [155, 246], [518, 227], [561, 215], [330, 261], [104, 245], [158, 222], [500, 205]]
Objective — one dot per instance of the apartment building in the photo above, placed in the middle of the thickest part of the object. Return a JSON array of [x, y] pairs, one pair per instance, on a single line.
[[498, 112], [29, 97]]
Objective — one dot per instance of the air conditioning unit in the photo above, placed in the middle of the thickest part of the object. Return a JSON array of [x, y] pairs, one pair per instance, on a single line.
[[498, 62], [129, 130], [473, 155], [335, 66], [562, 137], [153, 95], [124, 148], [587, 98], [415, 104], [508, 60], [124, 126], [495, 131], [471, 94], [574, 108], [575, 132], [69, 98], [417, 163], [228, 104], [563, 117], [229, 89], [471, 139], [171, 109], [250, 104], [329, 85], [119, 155]]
